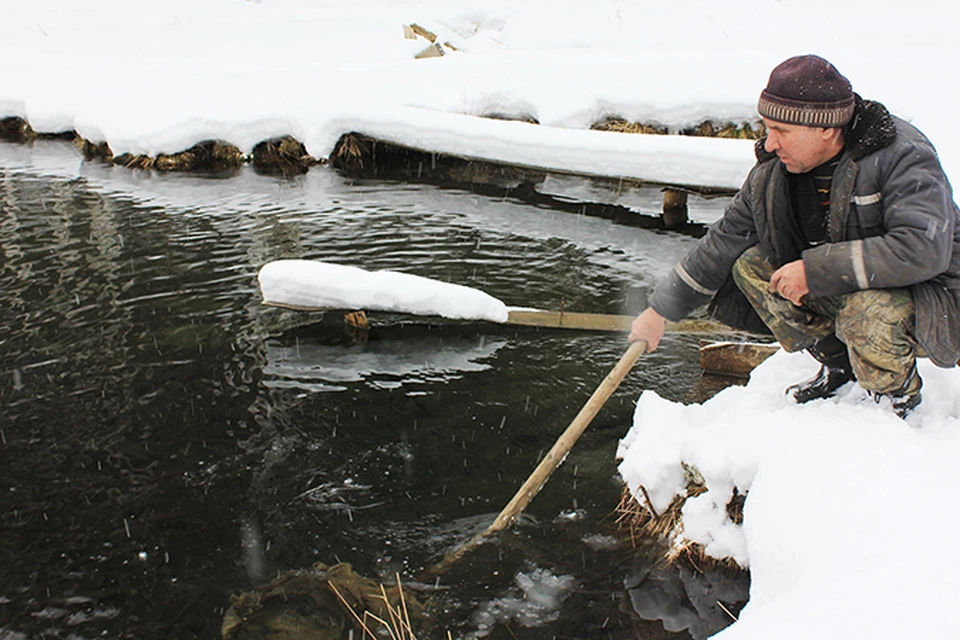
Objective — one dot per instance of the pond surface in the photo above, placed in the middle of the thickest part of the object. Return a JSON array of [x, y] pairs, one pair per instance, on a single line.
[[166, 441]]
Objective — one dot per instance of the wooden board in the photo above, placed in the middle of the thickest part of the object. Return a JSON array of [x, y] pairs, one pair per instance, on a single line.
[[571, 320], [605, 322]]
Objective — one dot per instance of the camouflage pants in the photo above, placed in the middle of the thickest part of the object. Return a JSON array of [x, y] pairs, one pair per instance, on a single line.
[[877, 325]]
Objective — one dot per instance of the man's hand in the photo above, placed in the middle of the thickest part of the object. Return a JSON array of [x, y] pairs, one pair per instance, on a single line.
[[649, 327], [790, 281]]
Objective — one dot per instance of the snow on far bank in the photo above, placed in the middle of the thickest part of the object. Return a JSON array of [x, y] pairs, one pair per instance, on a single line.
[[323, 285], [843, 526], [681, 160], [158, 78]]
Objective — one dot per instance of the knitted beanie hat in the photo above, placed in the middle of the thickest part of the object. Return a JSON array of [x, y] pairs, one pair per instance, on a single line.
[[809, 91]]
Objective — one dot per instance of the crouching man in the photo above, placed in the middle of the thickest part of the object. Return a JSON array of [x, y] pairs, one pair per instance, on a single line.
[[843, 241]]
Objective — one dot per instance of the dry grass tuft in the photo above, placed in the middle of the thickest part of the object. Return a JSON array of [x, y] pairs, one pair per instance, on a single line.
[[93, 151], [644, 524], [351, 150], [619, 125], [393, 608], [16, 130], [708, 129], [322, 602], [286, 156], [510, 117], [742, 131], [209, 155]]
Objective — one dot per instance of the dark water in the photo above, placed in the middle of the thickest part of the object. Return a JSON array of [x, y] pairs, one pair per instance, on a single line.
[[166, 441]]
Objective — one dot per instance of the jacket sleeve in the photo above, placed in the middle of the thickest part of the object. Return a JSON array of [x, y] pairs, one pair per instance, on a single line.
[[913, 240], [701, 273]]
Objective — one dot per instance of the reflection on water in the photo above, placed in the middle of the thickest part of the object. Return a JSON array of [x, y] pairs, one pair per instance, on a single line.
[[166, 441], [299, 362], [684, 599]]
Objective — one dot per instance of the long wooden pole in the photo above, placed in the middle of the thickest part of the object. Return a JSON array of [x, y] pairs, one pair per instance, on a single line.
[[566, 320], [552, 459]]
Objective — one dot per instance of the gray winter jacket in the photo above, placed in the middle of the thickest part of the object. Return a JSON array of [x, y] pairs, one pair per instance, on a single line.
[[892, 223]]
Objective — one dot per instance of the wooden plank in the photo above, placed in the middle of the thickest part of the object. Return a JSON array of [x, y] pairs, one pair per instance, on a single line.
[[433, 51], [571, 320], [605, 322], [425, 33]]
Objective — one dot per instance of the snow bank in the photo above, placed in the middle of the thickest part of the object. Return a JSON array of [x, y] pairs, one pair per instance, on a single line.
[[845, 507], [158, 79]]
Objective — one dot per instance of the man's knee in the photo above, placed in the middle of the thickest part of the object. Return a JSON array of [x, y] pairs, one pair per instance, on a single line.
[[878, 324], [751, 261], [751, 269], [876, 314]]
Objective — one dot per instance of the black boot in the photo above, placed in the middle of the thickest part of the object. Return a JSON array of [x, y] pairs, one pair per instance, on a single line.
[[835, 371], [907, 399], [903, 405]]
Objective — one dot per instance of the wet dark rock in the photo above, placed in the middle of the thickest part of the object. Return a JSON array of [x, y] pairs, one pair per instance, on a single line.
[[16, 130], [284, 156], [319, 603]]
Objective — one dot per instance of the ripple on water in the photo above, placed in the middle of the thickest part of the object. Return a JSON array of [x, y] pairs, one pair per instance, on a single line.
[[166, 442]]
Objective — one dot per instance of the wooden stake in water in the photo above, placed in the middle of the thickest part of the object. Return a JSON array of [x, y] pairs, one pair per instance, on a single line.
[[553, 459]]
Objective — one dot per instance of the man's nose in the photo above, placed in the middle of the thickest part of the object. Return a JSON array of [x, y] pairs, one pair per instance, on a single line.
[[772, 143]]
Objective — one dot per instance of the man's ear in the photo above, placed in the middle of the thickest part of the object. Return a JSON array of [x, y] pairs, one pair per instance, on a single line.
[[829, 134]]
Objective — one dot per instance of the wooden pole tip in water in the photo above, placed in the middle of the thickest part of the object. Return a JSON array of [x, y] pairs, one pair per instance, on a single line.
[[553, 458]]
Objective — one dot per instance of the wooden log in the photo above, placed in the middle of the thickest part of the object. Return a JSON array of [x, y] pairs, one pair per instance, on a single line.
[[357, 319], [735, 359], [674, 208]]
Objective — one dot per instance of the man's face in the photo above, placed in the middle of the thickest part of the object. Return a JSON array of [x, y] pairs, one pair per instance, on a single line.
[[800, 148]]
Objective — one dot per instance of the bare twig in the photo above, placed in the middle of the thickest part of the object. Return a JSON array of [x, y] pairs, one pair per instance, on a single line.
[[726, 611]]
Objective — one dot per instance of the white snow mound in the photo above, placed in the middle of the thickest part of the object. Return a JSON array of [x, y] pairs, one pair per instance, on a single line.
[[323, 285]]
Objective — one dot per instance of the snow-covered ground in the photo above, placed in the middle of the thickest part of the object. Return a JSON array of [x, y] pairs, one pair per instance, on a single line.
[[842, 524], [159, 77], [847, 524]]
